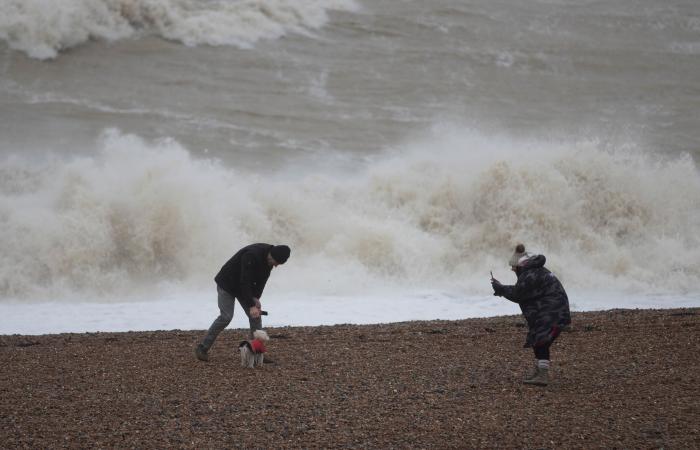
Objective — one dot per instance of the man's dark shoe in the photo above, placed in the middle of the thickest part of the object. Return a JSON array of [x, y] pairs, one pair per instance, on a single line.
[[200, 353]]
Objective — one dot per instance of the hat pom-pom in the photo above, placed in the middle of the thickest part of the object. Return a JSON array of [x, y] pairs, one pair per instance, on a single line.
[[520, 248]]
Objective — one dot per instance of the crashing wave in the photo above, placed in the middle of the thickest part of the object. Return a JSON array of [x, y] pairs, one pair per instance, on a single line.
[[43, 28]]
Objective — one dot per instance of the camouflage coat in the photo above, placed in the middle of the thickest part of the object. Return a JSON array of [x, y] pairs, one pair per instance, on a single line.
[[542, 300]]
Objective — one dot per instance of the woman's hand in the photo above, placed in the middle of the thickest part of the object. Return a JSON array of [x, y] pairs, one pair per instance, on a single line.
[[497, 287]]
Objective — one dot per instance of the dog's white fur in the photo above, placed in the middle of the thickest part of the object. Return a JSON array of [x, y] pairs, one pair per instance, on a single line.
[[248, 357]]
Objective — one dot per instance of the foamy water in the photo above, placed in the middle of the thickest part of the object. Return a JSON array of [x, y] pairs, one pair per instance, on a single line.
[[401, 150], [436, 214], [42, 29]]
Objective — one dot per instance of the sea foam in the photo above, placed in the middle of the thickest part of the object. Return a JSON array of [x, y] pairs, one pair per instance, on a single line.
[[42, 28], [437, 214]]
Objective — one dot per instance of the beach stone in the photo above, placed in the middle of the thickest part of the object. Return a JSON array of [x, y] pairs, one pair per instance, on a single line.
[[620, 378]]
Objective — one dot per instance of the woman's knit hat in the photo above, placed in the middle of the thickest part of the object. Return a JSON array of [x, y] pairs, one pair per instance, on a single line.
[[519, 253]]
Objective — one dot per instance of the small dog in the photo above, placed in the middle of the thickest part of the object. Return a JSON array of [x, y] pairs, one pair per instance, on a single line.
[[253, 352]]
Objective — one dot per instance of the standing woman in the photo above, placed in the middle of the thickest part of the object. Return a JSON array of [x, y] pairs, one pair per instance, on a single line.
[[544, 304]]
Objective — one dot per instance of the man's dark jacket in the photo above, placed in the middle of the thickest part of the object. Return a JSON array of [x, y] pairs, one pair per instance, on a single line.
[[542, 300], [245, 274]]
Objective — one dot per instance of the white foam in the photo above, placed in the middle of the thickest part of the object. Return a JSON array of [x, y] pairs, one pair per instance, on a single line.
[[196, 310], [438, 215], [43, 28]]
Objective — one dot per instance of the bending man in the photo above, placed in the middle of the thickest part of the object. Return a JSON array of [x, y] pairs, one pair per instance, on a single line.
[[242, 277]]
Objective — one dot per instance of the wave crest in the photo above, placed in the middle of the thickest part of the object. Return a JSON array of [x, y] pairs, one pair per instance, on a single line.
[[43, 28]]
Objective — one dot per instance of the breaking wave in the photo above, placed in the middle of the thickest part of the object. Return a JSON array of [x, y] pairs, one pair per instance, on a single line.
[[43, 28], [437, 213]]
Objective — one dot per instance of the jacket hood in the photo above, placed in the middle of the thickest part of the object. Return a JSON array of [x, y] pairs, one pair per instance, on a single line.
[[534, 262]]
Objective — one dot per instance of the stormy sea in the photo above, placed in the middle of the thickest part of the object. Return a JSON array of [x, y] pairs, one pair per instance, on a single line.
[[401, 148]]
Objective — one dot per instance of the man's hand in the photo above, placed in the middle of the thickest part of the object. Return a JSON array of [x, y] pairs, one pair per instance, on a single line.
[[254, 312]]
